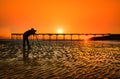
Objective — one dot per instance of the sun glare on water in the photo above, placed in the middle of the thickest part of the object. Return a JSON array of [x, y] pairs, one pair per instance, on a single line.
[[60, 31], [86, 39]]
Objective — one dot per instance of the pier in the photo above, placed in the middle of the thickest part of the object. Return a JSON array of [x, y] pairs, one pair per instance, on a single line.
[[17, 36]]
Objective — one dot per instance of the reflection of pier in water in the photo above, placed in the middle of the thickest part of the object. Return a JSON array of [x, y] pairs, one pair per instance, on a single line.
[[18, 36]]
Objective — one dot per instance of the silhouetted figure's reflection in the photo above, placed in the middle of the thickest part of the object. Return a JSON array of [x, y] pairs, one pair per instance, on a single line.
[[25, 54], [26, 41]]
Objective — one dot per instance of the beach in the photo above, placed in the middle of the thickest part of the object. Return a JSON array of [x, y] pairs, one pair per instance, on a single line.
[[61, 60]]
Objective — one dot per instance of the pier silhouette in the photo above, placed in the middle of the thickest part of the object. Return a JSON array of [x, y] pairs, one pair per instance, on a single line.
[[17, 36]]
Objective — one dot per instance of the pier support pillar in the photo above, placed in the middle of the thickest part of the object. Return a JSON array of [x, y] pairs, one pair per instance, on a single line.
[[56, 36], [78, 37], [71, 37], [50, 36], [64, 37], [42, 36]]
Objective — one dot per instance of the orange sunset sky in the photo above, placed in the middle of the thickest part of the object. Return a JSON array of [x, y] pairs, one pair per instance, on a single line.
[[47, 16]]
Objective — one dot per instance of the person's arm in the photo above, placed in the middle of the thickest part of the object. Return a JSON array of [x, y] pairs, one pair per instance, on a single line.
[[33, 32]]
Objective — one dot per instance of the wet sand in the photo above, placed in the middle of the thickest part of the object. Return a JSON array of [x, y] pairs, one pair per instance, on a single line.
[[61, 60]]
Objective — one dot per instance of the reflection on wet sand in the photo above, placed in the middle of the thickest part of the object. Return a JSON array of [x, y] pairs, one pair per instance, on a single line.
[[61, 60]]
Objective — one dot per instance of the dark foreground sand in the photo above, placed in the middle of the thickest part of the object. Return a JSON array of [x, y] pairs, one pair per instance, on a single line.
[[61, 60]]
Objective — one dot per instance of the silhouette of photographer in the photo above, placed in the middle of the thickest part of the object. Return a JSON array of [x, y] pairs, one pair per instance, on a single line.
[[26, 35]]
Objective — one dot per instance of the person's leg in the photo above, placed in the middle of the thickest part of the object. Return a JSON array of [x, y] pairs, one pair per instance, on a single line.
[[28, 43], [24, 57], [23, 43]]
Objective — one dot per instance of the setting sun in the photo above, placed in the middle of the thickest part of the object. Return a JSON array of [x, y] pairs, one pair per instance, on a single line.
[[60, 31]]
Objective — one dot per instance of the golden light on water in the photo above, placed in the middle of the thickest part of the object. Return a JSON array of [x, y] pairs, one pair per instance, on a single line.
[[86, 41], [86, 38]]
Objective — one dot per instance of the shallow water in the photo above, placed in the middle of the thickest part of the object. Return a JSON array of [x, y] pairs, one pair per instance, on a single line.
[[61, 60]]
